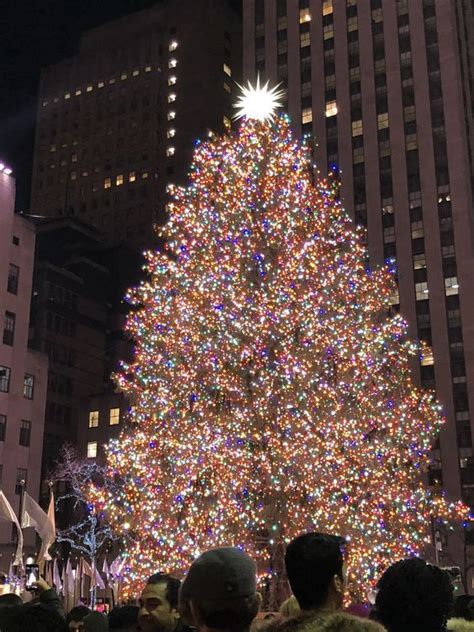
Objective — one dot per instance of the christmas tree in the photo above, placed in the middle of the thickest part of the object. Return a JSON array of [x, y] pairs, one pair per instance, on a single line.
[[271, 383]]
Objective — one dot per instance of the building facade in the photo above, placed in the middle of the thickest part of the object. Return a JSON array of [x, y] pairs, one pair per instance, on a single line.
[[23, 372], [117, 123], [384, 89]]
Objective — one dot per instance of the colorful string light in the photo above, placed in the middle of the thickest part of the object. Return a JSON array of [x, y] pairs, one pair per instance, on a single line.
[[271, 384]]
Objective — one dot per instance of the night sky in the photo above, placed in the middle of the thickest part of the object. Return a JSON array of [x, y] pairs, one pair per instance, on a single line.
[[35, 33]]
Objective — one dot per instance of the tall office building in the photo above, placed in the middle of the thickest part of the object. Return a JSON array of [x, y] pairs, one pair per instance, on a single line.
[[117, 123], [23, 372], [385, 88]]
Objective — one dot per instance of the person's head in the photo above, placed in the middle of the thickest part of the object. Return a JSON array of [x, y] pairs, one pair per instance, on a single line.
[[413, 595], [220, 591], [95, 622], [75, 617], [10, 599], [315, 569], [463, 608], [159, 604], [341, 622], [123, 619], [32, 618]]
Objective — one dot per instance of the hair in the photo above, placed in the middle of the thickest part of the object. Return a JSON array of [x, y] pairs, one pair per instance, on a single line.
[[341, 622], [311, 561], [413, 595], [464, 608], [32, 618], [10, 599], [77, 613], [172, 587], [233, 615], [123, 617]]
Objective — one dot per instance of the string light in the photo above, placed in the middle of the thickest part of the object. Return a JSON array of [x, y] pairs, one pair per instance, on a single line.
[[271, 382]]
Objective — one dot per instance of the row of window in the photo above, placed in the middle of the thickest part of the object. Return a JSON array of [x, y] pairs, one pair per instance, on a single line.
[[114, 417], [25, 431], [28, 382]]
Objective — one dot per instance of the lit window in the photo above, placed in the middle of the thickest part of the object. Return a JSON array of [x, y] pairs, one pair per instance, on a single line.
[[4, 379], [171, 97], [422, 291], [172, 63], [89, 88], [357, 128], [411, 142], [327, 7], [92, 449], [305, 39], [73, 175], [147, 68], [227, 122], [85, 174], [171, 115], [100, 84], [352, 24], [45, 103], [172, 80], [358, 155], [227, 70], [144, 175], [377, 15], [417, 230], [307, 115], [94, 419], [73, 157], [112, 80], [419, 261], [132, 176], [173, 46], [409, 113], [427, 359], [405, 58], [451, 286], [305, 16], [389, 234], [171, 133], [123, 76], [328, 31], [135, 73], [114, 416], [382, 120], [331, 109], [394, 299], [119, 180], [28, 385], [354, 73], [67, 95], [227, 88], [170, 151], [107, 183]]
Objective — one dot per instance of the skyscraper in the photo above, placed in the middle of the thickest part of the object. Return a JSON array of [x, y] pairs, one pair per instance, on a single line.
[[385, 89], [117, 123]]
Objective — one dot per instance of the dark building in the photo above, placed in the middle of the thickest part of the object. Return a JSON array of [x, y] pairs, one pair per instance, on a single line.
[[385, 88], [76, 319], [117, 123]]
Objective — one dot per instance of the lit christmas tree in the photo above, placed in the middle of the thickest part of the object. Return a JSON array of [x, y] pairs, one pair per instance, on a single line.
[[271, 384]]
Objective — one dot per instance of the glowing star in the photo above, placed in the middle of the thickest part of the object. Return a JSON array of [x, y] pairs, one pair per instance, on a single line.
[[259, 102]]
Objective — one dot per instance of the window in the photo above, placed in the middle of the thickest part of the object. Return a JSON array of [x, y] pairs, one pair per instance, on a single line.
[[417, 230], [411, 142], [172, 63], [382, 120], [93, 419], [21, 479], [4, 379], [389, 234], [307, 115], [305, 40], [3, 427], [331, 109], [227, 122], [144, 175], [171, 133], [92, 449], [328, 31], [119, 180], [25, 433], [173, 46], [352, 24], [132, 176], [28, 385], [358, 155], [9, 329], [451, 286], [171, 115], [421, 290], [327, 7], [357, 128], [13, 277], [227, 88], [419, 261], [170, 151], [305, 16], [171, 97], [227, 70], [107, 183], [114, 416], [427, 359], [172, 80]]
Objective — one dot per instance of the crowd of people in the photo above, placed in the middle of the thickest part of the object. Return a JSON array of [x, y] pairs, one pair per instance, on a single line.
[[220, 594]]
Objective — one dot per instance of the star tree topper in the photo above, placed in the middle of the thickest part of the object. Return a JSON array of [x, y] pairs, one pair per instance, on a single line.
[[259, 102]]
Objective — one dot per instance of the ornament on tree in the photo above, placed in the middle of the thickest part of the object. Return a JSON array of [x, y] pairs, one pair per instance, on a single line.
[[270, 375]]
